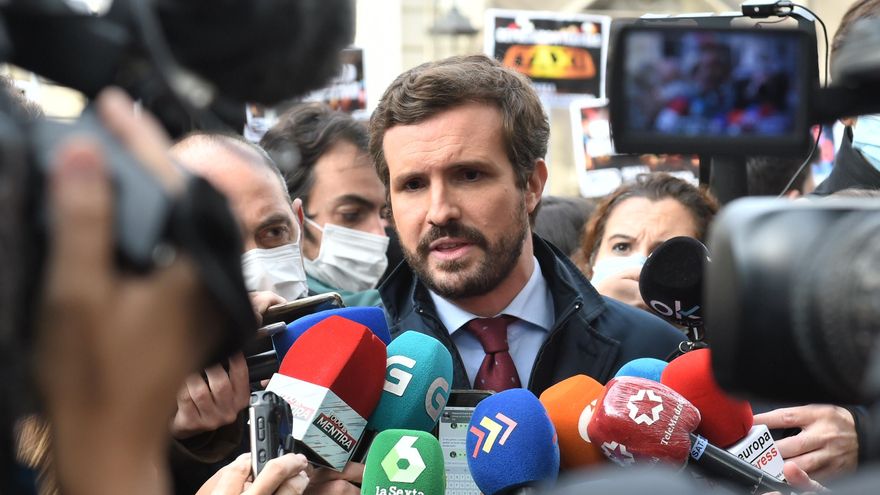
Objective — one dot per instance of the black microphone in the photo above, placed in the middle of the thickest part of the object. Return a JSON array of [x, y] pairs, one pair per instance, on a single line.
[[723, 464], [671, 283]]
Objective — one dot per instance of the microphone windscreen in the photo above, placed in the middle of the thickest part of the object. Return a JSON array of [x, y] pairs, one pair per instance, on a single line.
[[726, 420], [570, 405], [511, 442], [369, 316], [648, 368], [671, 281], [343, 356], [418, 375], [404, 462], [643, 421]]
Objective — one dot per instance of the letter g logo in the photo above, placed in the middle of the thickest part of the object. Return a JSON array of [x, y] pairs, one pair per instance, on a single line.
[[396, 379]]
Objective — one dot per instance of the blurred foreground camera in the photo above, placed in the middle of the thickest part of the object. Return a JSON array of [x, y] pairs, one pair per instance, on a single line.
[[792, 299], [177, 59]]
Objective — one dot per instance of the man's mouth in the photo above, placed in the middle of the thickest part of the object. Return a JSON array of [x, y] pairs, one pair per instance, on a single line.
[[450, 248]]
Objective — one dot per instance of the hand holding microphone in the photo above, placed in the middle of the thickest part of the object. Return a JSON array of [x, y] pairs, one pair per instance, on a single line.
[[285, 475], [207, 403]]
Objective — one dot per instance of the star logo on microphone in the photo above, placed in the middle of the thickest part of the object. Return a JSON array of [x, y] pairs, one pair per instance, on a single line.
[[486, 439], [617, 453], [647, 401]]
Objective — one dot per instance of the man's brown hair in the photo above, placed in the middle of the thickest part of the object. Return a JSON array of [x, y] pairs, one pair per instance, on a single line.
[[860, 9], [431, 88]]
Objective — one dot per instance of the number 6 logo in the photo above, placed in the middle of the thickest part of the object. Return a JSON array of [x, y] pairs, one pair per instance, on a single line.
[[403, 450]]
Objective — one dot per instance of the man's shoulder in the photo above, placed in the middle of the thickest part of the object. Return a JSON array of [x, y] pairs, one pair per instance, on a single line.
[[631, 325]]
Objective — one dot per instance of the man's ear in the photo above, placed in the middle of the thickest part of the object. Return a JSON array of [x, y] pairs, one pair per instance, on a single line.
[[297, 206], [535, 185]]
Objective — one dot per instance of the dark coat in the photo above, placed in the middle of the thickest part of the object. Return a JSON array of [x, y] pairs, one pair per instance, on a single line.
[[593, 335], [851, 169]]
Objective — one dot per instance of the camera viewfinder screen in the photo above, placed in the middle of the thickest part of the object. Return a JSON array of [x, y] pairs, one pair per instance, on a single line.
[[712, 84]]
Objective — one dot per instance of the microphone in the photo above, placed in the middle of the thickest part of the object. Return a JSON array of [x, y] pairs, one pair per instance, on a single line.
[[369, 316], [404, 462], [725, 420], [640, 421], [262, 365], [647, 368], [671, 283], [511, 443], [332, 378], [570, 405], [418, 374]]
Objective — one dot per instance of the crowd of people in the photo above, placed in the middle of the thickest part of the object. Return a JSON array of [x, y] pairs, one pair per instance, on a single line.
[[450, 171]]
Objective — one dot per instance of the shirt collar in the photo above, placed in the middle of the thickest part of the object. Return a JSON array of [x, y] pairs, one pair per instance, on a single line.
[[533, 304]]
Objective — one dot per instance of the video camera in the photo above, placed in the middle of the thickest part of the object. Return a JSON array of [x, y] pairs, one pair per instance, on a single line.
[[179, 60], [791, 295]]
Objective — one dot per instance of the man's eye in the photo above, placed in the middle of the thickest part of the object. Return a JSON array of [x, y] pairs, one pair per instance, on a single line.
[[275, 236], [351, 216], [471, 175], [413, 185]]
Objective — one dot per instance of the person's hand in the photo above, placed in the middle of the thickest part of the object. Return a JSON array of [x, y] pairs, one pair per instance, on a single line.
[[263, 300], [285, 475], [623, 286], [827, 445], [112, 348], [329, 482], [206, 406], [799, 480]]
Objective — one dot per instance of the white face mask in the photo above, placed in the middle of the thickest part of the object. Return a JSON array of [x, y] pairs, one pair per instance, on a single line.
[[279, 270], [348, 259], [615, 264], [866, 138]]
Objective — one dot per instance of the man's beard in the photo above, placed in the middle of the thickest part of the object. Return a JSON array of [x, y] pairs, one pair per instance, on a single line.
[[498, 260]]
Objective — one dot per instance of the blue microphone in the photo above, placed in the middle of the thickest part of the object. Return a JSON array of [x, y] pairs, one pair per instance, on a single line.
[[511, 443], [369, 316], [648, 368]]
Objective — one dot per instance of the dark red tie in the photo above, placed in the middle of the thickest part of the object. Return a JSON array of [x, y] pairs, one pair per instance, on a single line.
[[497, 372]]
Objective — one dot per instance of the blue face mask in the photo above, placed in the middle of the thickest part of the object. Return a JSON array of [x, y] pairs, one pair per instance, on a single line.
[[866, 138]]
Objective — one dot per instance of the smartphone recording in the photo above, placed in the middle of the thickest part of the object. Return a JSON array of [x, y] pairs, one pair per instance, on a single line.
[[712, 91]]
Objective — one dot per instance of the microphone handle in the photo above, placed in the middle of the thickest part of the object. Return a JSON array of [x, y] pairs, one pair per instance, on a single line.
[[726, 465]]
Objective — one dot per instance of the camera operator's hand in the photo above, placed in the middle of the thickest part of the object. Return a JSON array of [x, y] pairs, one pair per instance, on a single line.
[[112, 348], [329, 482], [262, 300], [285, 475], [206, 406], [623, 286], [827, 445]]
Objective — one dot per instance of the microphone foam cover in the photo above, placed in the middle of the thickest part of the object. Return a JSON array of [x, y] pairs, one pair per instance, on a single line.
[[418, 375], [511, 442], [648, 368], [570, 405], [643, 421], [726, 420], [343, 356], [671, 281], [404, 461], [369, 316]]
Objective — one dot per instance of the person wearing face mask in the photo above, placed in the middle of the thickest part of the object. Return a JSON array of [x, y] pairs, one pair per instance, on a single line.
[[633, 220], [857, 163], [324, 156], [208, 423]]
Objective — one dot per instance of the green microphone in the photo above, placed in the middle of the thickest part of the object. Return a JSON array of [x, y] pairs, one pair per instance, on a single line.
[[404, 462]]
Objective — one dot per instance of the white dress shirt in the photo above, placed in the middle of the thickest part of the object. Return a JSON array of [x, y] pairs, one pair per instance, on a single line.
[[533, 308]]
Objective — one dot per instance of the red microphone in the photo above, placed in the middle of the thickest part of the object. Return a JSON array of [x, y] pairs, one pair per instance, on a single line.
[[645, 422], [332, 378], [640, 420], [570, 405], [726, 420]]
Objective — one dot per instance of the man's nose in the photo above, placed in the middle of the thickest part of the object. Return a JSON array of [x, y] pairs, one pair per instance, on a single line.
[[444, 206]]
